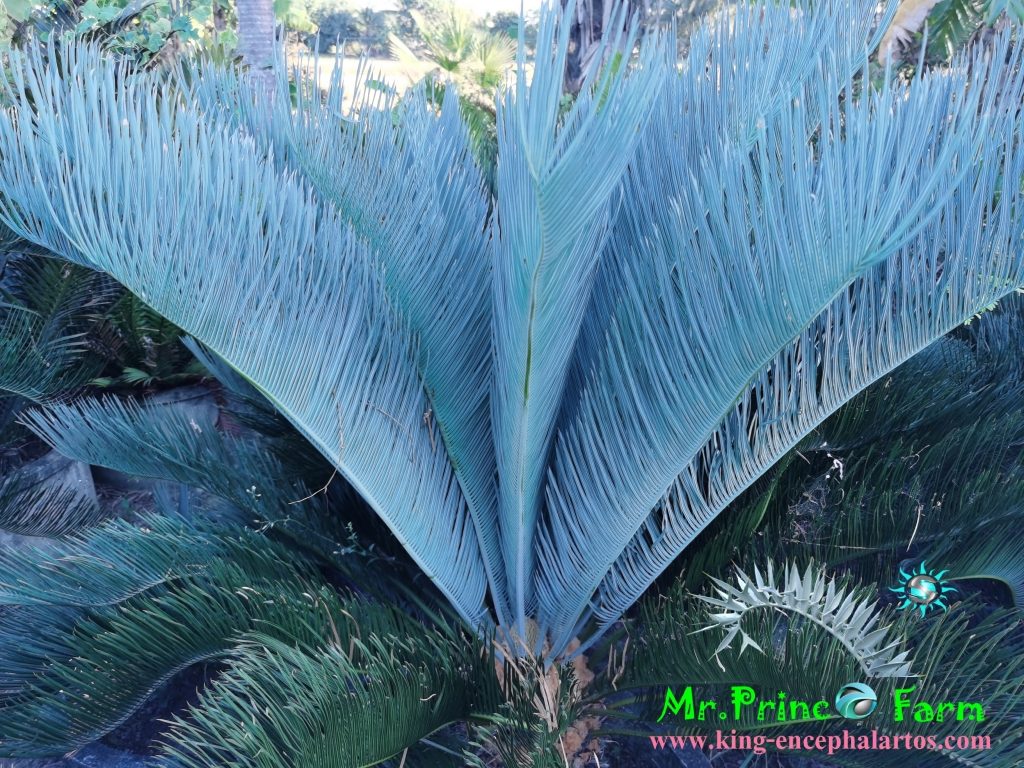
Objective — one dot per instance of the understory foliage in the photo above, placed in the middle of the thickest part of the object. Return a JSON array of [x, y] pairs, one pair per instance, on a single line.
[[437, 444]]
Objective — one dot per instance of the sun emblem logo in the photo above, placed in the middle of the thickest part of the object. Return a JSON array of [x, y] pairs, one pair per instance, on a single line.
[[923, 589]]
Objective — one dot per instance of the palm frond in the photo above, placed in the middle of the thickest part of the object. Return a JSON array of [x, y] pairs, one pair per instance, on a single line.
[[449, 37], [88, 674], [493, 57], [48, 498], [310, 300], [111, 562], [361, 703], [553, 209], [952, 257]]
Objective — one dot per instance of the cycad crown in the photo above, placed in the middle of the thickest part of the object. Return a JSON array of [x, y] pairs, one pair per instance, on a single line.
[[546, 395]]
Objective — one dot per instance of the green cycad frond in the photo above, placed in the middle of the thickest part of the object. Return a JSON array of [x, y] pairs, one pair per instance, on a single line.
[[30, 369], [144, 345], [93, 624], [117, 559], [46, 307], [160, 441], [994, 552], [80, 675], [850, 616], [47, 505], [274, 481], [95, 671], [952, 22], [334, 705]]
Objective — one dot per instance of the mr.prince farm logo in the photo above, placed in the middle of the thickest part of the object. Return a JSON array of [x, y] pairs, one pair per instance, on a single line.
[[922, 590], [853, 701]]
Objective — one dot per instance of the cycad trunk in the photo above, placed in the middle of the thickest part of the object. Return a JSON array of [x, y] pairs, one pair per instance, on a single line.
[[257, 42]]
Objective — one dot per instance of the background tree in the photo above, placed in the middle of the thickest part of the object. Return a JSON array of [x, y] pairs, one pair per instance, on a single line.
[[257, 40]]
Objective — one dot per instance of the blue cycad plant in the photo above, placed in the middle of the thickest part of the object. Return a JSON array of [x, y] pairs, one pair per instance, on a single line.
[[548, 393]]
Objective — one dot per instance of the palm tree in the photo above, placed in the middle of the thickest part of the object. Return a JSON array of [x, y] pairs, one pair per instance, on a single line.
[[588, 25], [257, 39]]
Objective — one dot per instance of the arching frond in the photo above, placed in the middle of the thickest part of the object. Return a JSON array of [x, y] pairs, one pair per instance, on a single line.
[[553, 208], [290, 497], [82, 682], [360, 703], [404, 178], [886, 290], [160, 441], [80, 675], [116, 560], [48, 499], [292, 301]]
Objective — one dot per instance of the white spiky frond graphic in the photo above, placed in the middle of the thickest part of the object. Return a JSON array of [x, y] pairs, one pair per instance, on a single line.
[[848, 614]]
